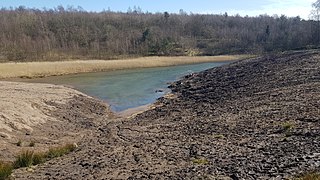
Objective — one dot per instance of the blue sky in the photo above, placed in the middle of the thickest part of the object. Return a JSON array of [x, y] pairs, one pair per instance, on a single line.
[[242, 7]]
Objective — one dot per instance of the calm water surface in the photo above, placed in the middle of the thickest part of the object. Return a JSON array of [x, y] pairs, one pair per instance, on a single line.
[[125, 89]]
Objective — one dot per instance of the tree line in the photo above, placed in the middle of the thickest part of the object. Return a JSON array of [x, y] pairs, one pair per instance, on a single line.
[[73, 33]]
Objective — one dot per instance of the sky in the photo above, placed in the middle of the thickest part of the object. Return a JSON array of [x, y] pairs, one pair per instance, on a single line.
[[290, 8]]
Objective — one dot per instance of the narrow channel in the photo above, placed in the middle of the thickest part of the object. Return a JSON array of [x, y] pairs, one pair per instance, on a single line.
[[126, 89]]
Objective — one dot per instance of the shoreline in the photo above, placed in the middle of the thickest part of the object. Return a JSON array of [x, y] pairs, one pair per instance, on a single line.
[[29, 70], [131, 112], [254, 113]]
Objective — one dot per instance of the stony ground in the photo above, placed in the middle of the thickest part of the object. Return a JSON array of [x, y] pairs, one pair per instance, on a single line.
[[253, 119]]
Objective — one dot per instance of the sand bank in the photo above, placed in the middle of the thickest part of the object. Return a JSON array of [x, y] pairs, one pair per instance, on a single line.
[[42, 69], [44, 114], [24, 104]]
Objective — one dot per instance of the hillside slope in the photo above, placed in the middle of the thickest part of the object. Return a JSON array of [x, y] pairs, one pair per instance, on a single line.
[[253, 119]]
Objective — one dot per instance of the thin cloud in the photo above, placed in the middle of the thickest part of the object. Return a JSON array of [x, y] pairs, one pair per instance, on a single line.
[[290, 8]]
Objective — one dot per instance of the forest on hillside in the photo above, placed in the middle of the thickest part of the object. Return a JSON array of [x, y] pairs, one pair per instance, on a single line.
[[73, 33]]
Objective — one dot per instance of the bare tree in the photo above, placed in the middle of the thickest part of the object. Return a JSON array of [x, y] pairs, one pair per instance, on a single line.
[[315, 15], [64, 33], [315, 12]]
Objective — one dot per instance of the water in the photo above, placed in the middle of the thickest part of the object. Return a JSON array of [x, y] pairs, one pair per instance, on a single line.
[[125, 89]]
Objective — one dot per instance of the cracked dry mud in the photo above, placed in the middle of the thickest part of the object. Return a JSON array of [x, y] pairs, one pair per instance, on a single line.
[[252, 119]]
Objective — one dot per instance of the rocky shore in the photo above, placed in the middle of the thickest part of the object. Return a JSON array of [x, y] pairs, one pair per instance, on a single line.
[[252, 119]]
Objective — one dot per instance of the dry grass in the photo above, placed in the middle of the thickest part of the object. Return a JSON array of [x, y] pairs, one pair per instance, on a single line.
[[5, 170], [60, 151], [29, 158], [200, 161], [24, 159], [309, 176], [42, 69]]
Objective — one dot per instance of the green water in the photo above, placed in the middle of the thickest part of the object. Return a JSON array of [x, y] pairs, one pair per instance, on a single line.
[[125, 89]]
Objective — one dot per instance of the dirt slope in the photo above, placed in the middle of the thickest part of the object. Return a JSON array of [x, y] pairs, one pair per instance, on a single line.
[[253, 119], [26, 116]]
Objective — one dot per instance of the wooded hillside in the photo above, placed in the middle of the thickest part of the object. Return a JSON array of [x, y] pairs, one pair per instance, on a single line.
[[57, 34]]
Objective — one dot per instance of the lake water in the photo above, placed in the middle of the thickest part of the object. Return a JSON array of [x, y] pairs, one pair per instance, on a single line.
[[125, 89]]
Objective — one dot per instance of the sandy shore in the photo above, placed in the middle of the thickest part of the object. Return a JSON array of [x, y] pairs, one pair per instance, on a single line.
[[42, 69], [23, 105], [28, 113]]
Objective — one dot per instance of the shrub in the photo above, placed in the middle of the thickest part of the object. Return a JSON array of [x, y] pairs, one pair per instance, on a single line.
[[5, 170]]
